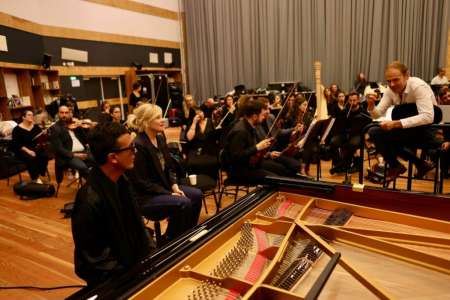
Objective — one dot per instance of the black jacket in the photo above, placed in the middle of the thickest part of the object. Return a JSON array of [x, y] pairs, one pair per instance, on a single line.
[[147, 176], [240, 145], [107, 228], [62, 142]]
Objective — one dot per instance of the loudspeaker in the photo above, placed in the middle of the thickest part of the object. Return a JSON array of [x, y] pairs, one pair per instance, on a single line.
[[137, 65], [46, 61]]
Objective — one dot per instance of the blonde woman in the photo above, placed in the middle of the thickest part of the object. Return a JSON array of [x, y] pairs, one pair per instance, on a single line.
[[188, 110], [154, 178]]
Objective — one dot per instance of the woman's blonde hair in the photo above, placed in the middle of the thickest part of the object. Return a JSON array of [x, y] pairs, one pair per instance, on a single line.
[[185, 107], [143, 115]]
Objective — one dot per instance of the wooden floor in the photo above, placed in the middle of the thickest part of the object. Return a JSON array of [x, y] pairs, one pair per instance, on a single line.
[[36, 246]]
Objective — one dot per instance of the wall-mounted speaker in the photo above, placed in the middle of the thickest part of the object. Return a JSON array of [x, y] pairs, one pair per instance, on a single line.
[[46, 61], [137, 65]]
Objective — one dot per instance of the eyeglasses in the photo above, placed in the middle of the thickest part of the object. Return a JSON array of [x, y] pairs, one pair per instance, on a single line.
[[131, 147]]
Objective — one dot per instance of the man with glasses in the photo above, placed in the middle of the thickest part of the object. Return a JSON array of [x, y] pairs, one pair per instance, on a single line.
[[107, 228]]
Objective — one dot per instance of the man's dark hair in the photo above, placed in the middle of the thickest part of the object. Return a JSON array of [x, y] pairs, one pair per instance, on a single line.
[[353, 93], [252, 107], [103, 139]]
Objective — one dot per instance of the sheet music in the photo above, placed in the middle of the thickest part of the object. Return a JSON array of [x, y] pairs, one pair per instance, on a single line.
[[305, 138], [327, 131]]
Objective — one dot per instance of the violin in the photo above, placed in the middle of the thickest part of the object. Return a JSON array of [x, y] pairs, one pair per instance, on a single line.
[[84, 123], [255, 159]]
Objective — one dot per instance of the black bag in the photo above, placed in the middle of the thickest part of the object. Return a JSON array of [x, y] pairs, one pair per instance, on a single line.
[[32, 190]]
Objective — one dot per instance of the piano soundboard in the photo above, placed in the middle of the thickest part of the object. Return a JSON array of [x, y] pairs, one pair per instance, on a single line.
[[281, 248]]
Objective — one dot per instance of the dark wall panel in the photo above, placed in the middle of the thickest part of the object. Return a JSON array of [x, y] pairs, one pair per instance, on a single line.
[[109, 54], [88, 89], [23, 47], [110, 88]]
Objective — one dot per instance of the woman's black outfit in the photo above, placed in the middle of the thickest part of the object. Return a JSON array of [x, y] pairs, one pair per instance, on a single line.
[[153, 176], [22, 137], [203, 150]]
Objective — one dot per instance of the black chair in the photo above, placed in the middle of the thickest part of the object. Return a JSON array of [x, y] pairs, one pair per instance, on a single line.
[[432, 151], [9, 164], [229, 185], [59, 176], [207, 185], [160, 241]]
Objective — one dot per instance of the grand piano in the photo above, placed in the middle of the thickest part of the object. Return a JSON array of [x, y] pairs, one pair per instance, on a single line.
[[294, 239]]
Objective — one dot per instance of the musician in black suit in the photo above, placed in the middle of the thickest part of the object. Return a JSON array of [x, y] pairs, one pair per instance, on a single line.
[[154, 176], [276, 161], [69, 144], [391, 137], [241, 145], [347, 139]]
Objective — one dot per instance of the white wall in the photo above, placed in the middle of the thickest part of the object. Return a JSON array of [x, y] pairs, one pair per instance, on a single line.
[[78, 14]]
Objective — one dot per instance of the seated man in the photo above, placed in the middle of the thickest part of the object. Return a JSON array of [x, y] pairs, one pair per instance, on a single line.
[[276, 161], [392, 137], [208, 107], [347, 140], [107, 227], [69, 143], [241, 146]]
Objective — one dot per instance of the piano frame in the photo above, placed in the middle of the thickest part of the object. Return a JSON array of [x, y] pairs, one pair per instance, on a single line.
[[431, 210]]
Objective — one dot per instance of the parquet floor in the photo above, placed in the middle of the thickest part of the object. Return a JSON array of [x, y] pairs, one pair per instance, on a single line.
[[36, 246]]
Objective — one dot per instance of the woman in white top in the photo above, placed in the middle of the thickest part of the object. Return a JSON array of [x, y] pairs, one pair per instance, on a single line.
[[440, 78]]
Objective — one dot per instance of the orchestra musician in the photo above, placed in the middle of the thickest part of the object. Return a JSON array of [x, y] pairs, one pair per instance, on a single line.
[[337, 109], [276, 161], [391, 137], [360, 83], [276, 102], [25, 138], [105, 115], [154, 176], [240, 144], [202, 146], [68, 140], [135, 95], [116, 114], [347, 138], [225, 114], [208, 107], [303, 117], [188, 107]]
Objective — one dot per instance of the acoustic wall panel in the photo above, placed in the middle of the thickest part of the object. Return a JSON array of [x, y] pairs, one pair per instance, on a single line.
[[74, 55]]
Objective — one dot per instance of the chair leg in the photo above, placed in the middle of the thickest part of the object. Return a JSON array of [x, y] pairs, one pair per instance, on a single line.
[[216, 202], [221, 191], [236, 193], [158, 233], [57, 190], [437, 173], [204, 203], [409, 183], [318, 173]]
